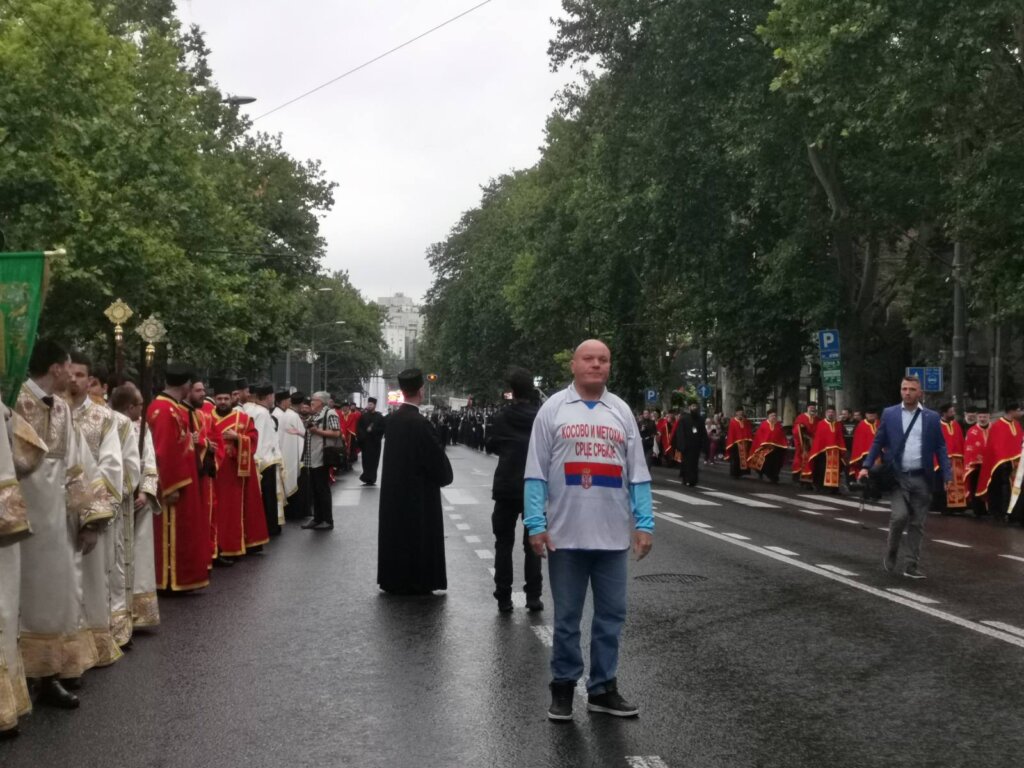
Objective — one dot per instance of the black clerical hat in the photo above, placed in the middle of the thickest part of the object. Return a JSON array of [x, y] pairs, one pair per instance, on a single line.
[[264, 389], [298, 398], [222, 386], [240, 384], [411, 380], [179, 374]]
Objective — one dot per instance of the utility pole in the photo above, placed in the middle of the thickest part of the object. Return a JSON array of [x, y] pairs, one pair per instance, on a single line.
[[959, 373]]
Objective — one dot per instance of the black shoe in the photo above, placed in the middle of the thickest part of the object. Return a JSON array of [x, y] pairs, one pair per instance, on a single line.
[[311, 525], [534, 604], [561, 701], [254, 550], [611, 703], [72, 683], [222, 562], [328, 526], [10, 733], [505, 605], [53, 694], [913, 572]]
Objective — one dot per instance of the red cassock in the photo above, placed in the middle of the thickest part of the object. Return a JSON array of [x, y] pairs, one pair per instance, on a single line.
[[956, 494], [351, 427], [1004, 445], [830, 441], [255, 520], [663, 435], [974, 451], [766, 439], [181, 536], [739, 435], [202, 423], [803, 437], [863, 437], [234, 471]]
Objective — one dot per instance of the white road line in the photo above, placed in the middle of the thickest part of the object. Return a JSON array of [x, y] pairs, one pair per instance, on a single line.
[[458, 497], [700, 525], [1005, 627], [741, 500], [545, 633], [1013, 557], [493, 572], [447, 508], [845, 503], [846, 520], [974, 626], [811, 512], [952, 543], [836, 569], [472, 539], [650, 761], [347, 497], [455, 517], [687, 499], [462, 526], [738, 536], [484, 554], [912, 596], [804, 505], [673, 514], [783, 551]]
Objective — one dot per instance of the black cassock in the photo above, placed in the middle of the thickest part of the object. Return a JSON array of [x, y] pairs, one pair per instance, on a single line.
[[371, 432], [410, 540]]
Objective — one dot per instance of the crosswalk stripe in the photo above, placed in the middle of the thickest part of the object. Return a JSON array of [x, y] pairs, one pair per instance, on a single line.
[[912, 596], [790, 500], [952, 543], [687, 499], [844, 502], [835, 569], [740, 499], [458, 496], [783, 551]]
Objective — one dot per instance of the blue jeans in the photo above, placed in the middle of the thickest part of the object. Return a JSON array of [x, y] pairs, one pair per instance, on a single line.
[[569, 573]]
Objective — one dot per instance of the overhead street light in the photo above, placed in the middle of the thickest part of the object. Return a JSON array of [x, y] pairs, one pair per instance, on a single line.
[[237, 101]]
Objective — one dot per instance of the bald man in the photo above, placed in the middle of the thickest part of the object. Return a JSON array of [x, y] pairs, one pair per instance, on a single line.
[[587, 500]]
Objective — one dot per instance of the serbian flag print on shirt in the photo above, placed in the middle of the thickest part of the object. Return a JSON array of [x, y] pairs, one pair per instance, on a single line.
[[589, 474]]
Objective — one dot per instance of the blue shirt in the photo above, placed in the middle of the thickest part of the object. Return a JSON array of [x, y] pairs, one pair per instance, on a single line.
[[912, 448]]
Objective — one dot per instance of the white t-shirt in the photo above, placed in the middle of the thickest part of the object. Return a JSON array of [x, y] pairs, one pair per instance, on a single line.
[[589, 454]]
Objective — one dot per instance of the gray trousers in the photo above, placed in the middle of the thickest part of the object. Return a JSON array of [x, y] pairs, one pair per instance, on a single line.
[[910, 502]]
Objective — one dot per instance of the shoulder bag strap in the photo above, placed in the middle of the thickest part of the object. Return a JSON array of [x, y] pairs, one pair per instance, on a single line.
[[903, 444]]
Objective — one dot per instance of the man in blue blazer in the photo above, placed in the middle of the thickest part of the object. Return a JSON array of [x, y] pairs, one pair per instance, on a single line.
[[913, 459]]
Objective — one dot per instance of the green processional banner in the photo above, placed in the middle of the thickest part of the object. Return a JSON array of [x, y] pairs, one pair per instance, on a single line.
[[22, 286]]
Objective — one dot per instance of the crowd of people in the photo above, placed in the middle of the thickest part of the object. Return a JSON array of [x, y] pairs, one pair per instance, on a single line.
[[105, 501], [829, 451]]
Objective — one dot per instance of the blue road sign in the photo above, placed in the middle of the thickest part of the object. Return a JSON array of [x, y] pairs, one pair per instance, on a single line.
[[652, 395], [829, 356], [705, 391], [916, 370], [933, 379], [828, 341]]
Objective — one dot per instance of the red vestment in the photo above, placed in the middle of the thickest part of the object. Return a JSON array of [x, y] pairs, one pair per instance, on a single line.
[[664, 438], [739, 435], [766, 439], [181, 536], [803, 437], [974, 451], [956, 494], [202, 423], [351, 427], [255, 520], [1004, 445], [829, 441], [863, 437], [234, 471]]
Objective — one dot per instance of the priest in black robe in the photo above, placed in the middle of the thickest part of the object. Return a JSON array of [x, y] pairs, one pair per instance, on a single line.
[[410, 539]]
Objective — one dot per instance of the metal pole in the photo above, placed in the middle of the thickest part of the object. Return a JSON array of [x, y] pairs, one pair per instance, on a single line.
[[959, 328], [288, 369], [312, 362]]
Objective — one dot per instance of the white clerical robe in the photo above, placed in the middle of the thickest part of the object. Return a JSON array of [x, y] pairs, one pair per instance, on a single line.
[[291, 433], [60, 503], [268, 449], [145, 609], [14, 699], [124, 532], [98, 428]]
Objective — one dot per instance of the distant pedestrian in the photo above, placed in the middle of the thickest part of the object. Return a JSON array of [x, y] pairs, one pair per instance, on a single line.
[[690, 438], [371, 432], [509, 438], [911, 437], [586, 466], [769, 448], [410, 539], [999, 462], [737, 444], [323, 430]]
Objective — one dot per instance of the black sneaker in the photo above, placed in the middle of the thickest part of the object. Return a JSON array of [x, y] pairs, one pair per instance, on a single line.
[[611, 703], [534, 604], [913, 572], [561, 701], [505, 605]]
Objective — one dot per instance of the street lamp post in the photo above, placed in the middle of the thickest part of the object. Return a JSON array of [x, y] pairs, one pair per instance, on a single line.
[[312, 351]]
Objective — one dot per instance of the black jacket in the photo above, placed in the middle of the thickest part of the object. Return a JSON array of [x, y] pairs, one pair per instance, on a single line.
[[508, 435]]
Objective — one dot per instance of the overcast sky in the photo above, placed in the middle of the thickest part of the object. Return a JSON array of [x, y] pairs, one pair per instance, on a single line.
[[410, 139]]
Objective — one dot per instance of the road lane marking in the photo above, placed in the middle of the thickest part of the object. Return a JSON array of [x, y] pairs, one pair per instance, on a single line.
[[1013, 557], [649, 761], [687, 499], [738, 536], [845, 503], [783, 551], [455, 517], [462, 526], [1005, 627], [974, 626], [480, 472], [846, 520], [673, 514], [740, 499], [347, 497], [484, 554], [805, 505], [493, 572], [472, 539], [952, 543], [912, 596], [701, 525], [545, 633], [836, 569], [458, 497], [811, 512]]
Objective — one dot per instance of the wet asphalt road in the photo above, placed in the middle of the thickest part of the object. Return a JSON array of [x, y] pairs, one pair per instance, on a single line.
[[766, 657]]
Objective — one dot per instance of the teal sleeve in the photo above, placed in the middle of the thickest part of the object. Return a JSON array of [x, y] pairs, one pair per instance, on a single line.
[[535, 499], [643, 508]]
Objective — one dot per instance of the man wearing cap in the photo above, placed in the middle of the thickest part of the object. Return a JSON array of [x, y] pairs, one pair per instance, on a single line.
[[230, 431], [267, 453], [323, 426], [182, 539], [291, 436], [410, 542], [371, 432]]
